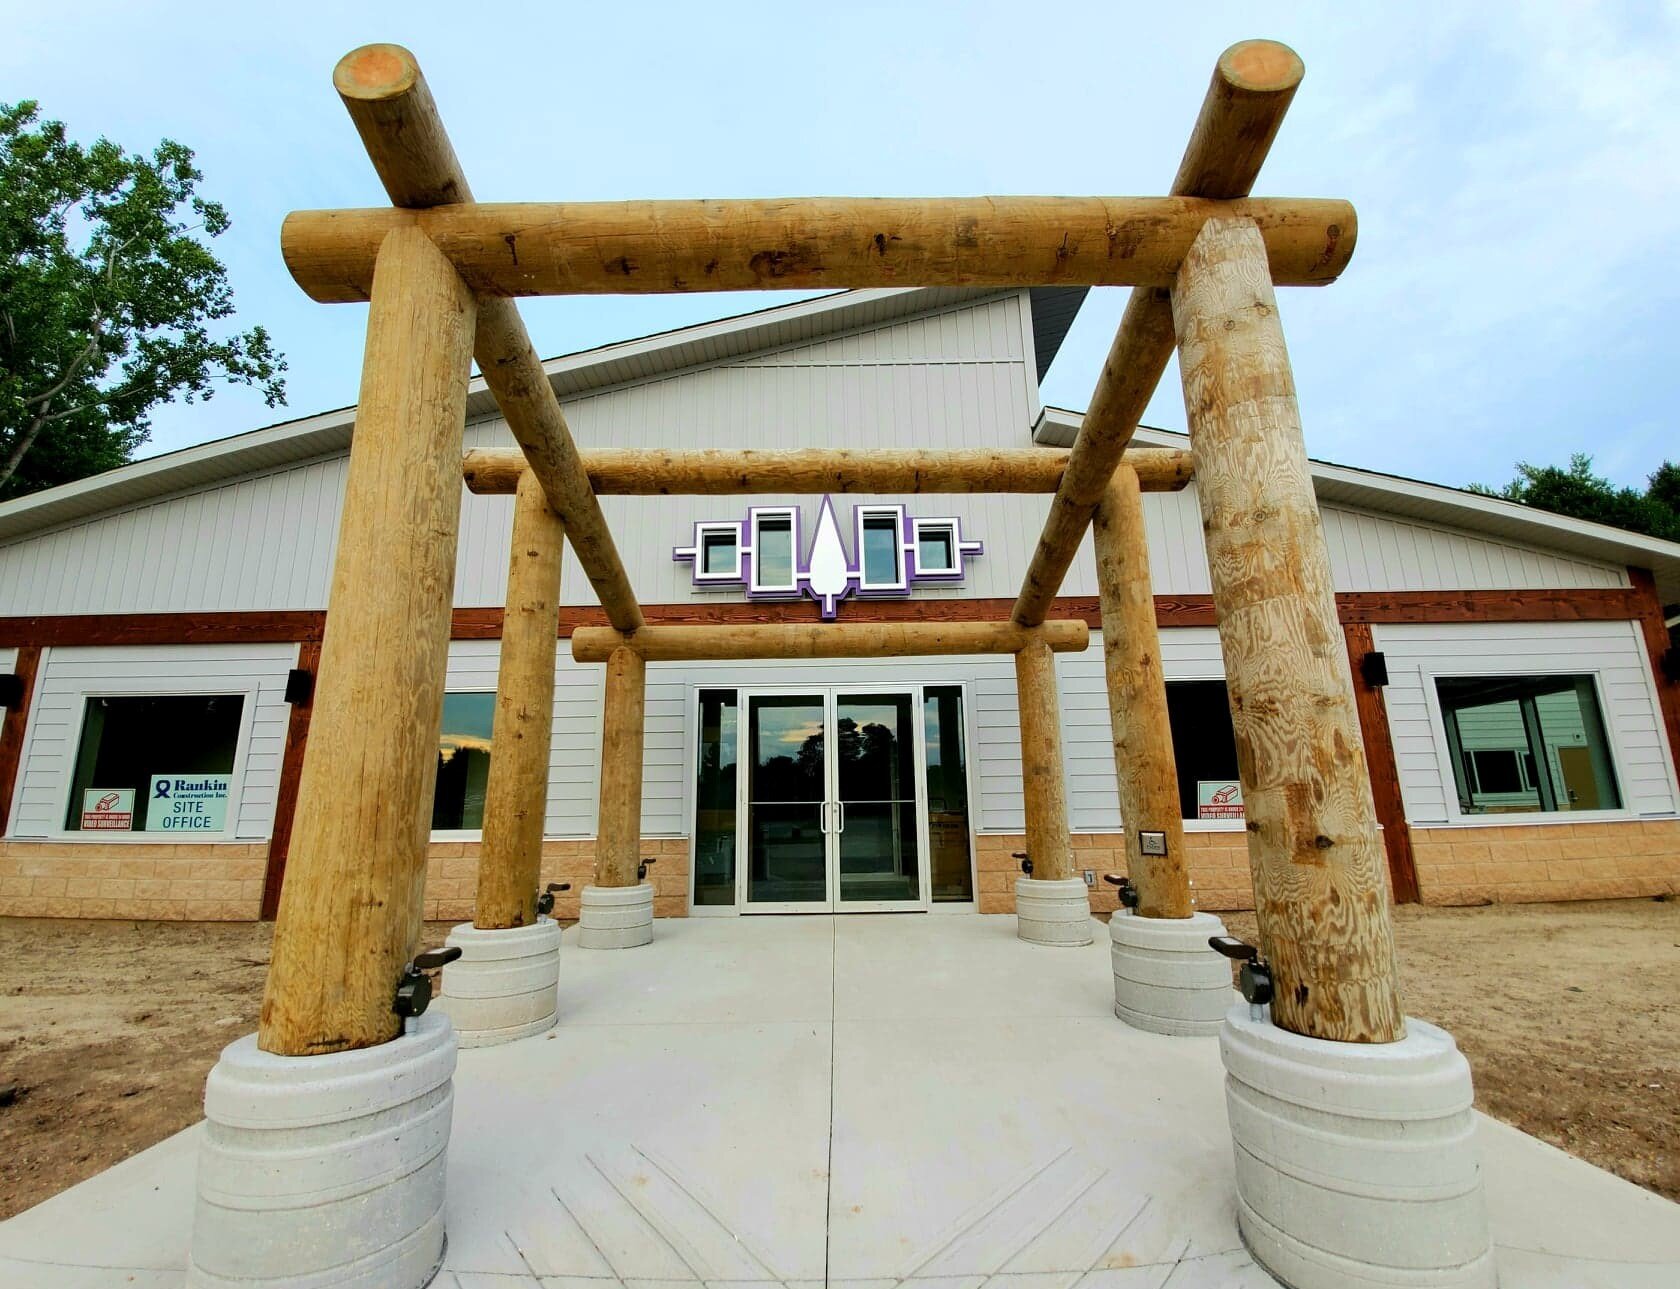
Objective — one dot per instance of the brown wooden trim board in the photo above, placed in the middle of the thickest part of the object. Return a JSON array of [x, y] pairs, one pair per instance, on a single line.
[[291, 770], [12, 728], [1385, 774], [1657, 643], [300, 625]]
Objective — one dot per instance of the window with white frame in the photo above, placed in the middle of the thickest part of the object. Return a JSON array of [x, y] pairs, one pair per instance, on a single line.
[[880, 545], [775, 539], [936, 548], [463, 771], [1527, 744], [155, 763], [719, 556], [1204, 751]]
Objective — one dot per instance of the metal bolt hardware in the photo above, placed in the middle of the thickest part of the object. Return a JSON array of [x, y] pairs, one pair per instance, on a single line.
[[1026, 864], [1254, 981], [545, 901], [1126, 891], [642, 868], [414, 990]]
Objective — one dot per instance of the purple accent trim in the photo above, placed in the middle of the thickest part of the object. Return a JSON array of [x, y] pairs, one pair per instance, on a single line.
[[829, 600]]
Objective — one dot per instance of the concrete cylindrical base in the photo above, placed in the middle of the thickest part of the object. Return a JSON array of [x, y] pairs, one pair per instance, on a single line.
[[615, 917], [1053, 912], [502, 987], [1356, 1162], [325, 1170], [1166, 979]]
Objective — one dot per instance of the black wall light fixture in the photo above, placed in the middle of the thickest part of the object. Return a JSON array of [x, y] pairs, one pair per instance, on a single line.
[[1374, 668], [300, 685]]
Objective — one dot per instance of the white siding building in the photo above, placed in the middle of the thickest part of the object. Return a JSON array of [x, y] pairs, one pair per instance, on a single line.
[[1522, 746]]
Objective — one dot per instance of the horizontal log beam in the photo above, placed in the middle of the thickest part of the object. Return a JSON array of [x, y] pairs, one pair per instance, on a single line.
[[813, 243], [1252, 87], [632, 472], [825, 640], [399, 123]]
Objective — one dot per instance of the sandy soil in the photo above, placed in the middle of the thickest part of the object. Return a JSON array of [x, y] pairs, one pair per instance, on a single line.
[[1569, 1014]]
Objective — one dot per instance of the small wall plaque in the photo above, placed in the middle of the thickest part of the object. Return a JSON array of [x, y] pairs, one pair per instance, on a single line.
[[1152, 843]]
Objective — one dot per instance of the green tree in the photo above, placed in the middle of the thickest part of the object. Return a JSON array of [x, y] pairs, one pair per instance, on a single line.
[[1581, 494], [107, 299]]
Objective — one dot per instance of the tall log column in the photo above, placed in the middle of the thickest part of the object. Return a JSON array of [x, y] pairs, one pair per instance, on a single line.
[[516, 798], [618, 840], [1313, 844], [350, 913], [1042, 785], [1137, 702]]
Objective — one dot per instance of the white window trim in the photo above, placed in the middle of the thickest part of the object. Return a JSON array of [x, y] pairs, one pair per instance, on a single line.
[[861, 515], [1455, 817], [247, 689], [709, 528], [756, 585], [949, 527]]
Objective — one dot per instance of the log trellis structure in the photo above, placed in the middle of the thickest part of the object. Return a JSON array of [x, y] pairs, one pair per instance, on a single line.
[[439, 271]]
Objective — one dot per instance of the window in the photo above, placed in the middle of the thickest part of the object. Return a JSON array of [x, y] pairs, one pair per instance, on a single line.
[[773, 540], [159, 764], [720, 552], [463, 762], [952, 876], [936, 549], [1526, 744], [1204, 750], [881, 547], [714, 800]]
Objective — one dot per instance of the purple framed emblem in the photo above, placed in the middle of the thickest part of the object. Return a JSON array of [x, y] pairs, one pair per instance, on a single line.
[[893, 551]]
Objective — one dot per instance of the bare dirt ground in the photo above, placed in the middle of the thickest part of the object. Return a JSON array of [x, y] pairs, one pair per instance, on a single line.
[[1569, 1014]]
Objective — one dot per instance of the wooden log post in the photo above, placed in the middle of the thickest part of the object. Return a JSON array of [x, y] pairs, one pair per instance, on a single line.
[[1043, 786], [350, 912], [1313, 844], [393, 110], [1137, 702], [1253, 85], [618, 833], [516, 797]]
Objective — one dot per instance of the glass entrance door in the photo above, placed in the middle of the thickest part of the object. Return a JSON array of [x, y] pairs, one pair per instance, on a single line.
[[877, 819], [787, 808], [833, 803]]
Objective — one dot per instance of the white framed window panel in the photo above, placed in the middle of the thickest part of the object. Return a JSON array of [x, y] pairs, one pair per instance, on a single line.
[[1187, 653], [69, 676], [1611, 653]]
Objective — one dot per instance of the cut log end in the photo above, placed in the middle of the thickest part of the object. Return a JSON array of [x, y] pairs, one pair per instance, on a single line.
[[376, 72], [1261, 67]]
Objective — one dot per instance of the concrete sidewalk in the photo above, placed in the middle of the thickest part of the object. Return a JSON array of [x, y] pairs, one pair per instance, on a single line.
[[868, 1101]]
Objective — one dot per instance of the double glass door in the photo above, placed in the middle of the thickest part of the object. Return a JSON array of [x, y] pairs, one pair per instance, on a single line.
[[832, 802]]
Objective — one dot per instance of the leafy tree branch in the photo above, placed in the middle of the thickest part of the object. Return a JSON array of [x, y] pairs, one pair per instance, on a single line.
[[109, 296]]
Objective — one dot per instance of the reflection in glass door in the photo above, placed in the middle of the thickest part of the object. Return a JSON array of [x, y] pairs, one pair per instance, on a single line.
[[787, 801], [831, 802], [876, 822]]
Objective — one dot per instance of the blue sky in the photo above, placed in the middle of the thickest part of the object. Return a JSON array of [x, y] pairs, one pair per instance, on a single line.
[[1513, 295]]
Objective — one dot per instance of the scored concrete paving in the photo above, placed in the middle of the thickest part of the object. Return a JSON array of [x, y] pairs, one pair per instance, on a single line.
[[880, 1102]]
